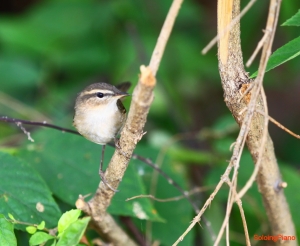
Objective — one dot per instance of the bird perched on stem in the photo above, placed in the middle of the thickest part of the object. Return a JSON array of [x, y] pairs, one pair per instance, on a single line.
[[100, 115]]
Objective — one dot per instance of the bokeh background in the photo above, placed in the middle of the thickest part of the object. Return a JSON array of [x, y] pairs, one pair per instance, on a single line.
[[51, 50]]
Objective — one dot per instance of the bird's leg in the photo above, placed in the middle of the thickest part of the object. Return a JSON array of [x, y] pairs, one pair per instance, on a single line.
[[101, 173], [101, 161]]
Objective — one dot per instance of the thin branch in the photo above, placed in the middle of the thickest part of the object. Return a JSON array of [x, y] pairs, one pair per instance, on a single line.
[[270, 30], [131, 134], [167, 177], [19, 124], [164, 36], [226, 220], [237, 151], [245, 127], [159, 162], [14, 221], [205, 206], [36, 123], [279, 125], [228, 28], [172, 199], [236, 156], [258, 48], [239, 203], [20, 107], [134, 156], [252, 178]]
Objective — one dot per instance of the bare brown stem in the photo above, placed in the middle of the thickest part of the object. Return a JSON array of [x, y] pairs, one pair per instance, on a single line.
[[253, 126], [259, 143]]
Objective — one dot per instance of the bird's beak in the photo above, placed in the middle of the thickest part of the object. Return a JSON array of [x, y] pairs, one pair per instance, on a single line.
[[123, 94]]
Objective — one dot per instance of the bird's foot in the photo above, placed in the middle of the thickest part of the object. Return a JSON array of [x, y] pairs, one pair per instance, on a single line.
[[101, 173]]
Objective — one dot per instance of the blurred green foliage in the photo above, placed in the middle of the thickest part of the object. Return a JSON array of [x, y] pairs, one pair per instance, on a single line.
[[52, 49], [288, 51]]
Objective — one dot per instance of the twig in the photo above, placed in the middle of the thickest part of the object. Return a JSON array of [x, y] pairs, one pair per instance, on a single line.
[[134, 230], [198, 216], [19, 124], [271, 28], [239, 203], [134, 156], [131, 134], [279, 125], [172, 199], [252, 178], [258, 47], [20, 107], [235, 159], [159, 162], [36, 123], [226, 219], [261, 147], [164, 36], [161, 155], [14, 221], [238, 147], [234, 163], [167, 177], [228, 28], [223, 57], [177, 198]]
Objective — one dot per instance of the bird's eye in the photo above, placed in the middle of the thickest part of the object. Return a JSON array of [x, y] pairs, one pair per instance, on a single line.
[[100, 94]]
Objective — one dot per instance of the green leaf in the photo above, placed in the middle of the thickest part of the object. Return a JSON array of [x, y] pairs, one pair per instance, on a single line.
[[38, 29], [7, 236], [40, 238], [73, 234], [191, 156], [80, 162], [41, 226], [293, 21], [24, 193], [63, 39], [31, 229], [285, 53], [68, 218], [11, 216], [17, 72]]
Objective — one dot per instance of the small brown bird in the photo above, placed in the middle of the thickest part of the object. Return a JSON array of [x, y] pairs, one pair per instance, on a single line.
[[100, 115]]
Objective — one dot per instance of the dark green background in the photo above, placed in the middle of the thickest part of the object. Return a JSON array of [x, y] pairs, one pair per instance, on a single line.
[[50, 50]]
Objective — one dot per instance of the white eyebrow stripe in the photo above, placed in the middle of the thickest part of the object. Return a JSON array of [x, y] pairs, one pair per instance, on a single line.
[[99, 90]]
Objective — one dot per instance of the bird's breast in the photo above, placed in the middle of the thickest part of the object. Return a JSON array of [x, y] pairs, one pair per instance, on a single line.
[[99, 124]]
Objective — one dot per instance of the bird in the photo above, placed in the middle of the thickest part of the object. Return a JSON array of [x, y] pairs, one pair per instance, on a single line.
[[100, 115]]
